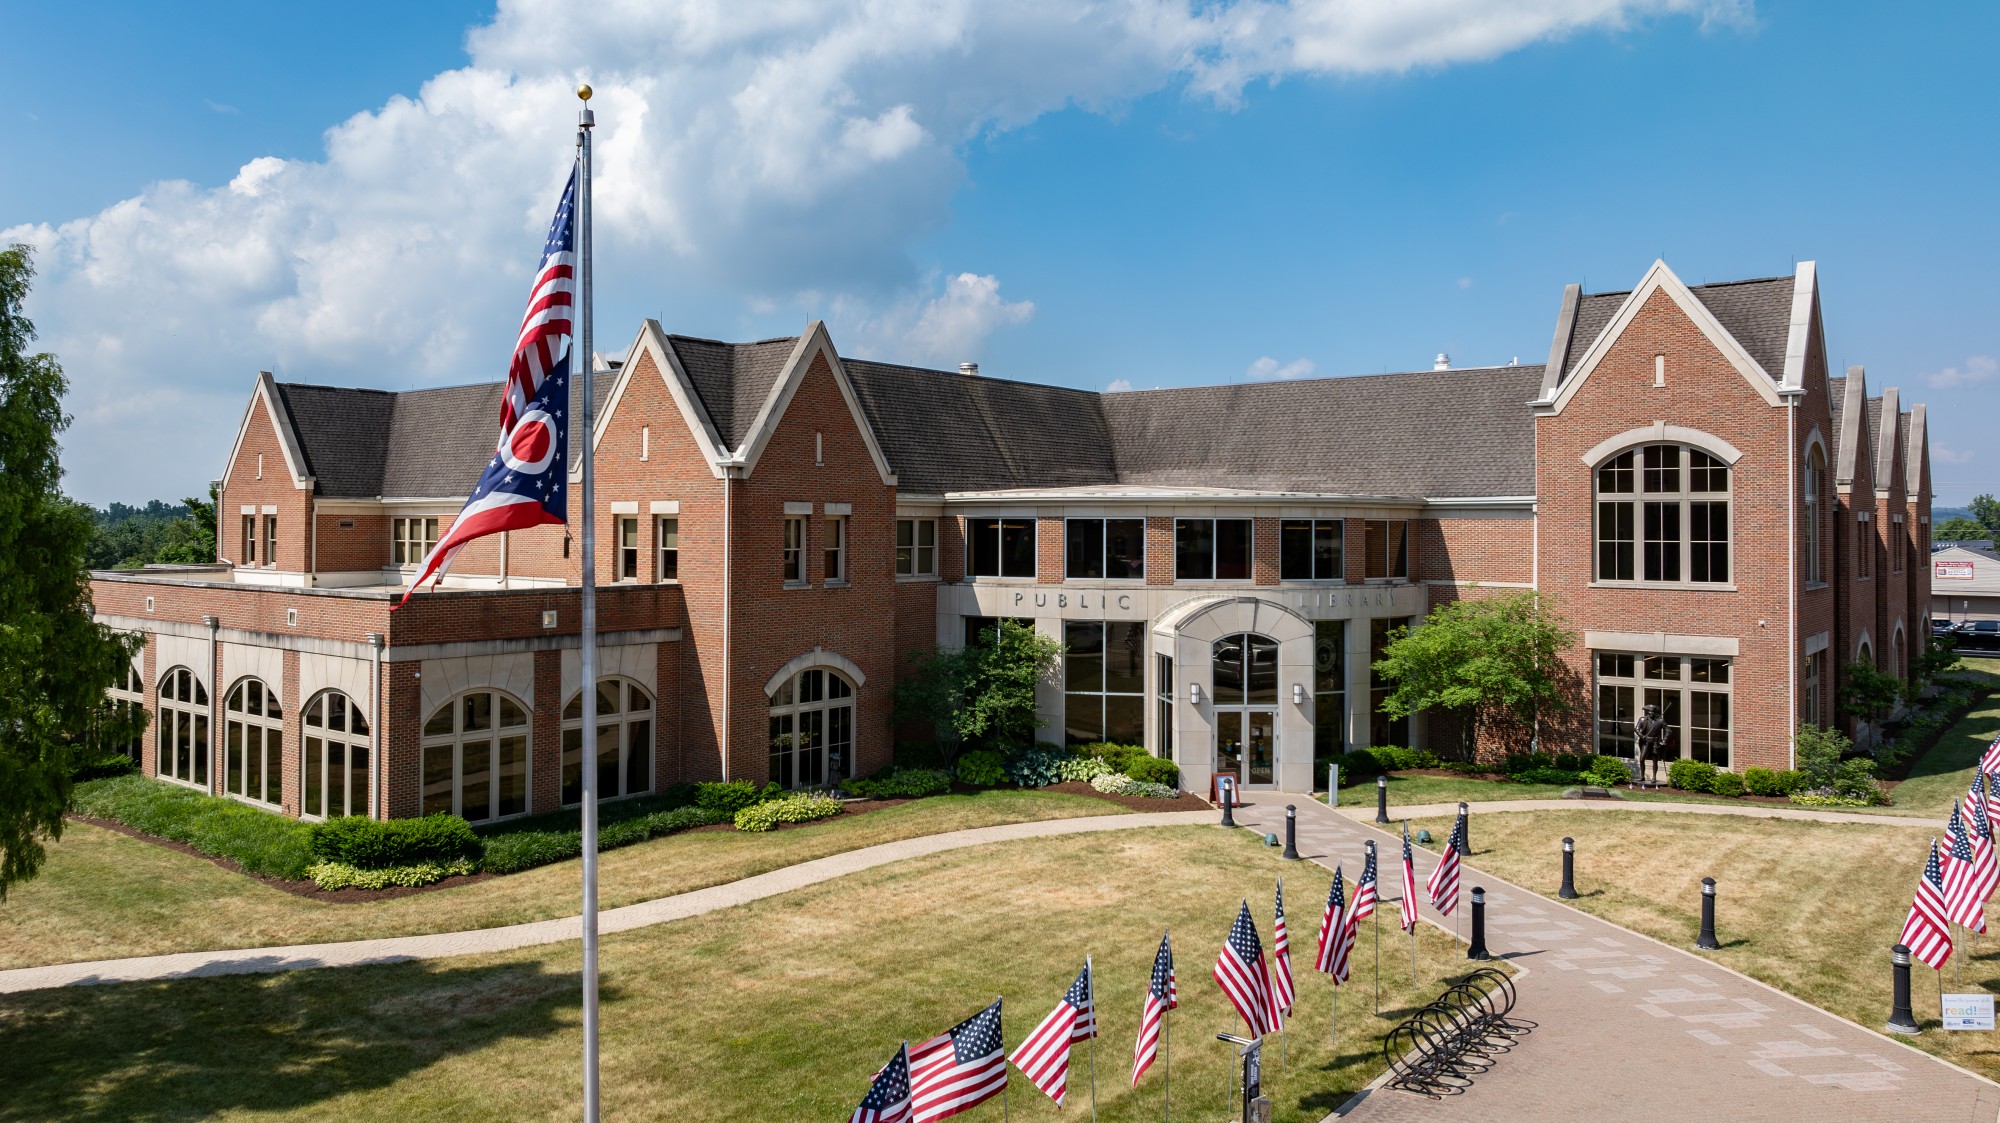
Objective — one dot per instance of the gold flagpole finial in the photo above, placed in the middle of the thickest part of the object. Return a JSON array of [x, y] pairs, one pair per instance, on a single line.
[[583, 91]]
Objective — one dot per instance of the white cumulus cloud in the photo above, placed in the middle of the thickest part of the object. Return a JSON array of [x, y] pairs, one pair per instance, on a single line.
[[1118, 386], [1268, 369], [941, 329], [1944, 455], [1975, 370]]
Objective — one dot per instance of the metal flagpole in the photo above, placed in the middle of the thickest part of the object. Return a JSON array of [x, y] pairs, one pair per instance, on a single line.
[[1090, 970], [1167, 1055], [582, 358], [1375, 920], [1006, 1085]]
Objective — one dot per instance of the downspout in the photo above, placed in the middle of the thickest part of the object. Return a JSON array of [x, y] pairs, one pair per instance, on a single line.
[[312, 532], [1792, 578], [214, 701], [377, 776], [728, 580]]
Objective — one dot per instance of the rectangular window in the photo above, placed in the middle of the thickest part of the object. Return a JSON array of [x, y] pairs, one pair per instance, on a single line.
[[670, 549], [835, 553], [794, 566], [1663, 541], [1809, 710], [1691, 693], [1001, 548], [1387, 543], [1864, 547], [916, 547], [1385, 730], [628, 550], [1212, 549], [1898, 543], [411, 539], [1311, 549], [249, 551], [1104, 548], [1708, 541], [1163, 706], [982, 631], [1104, 681], [1615, 546], [270, 540], [1329, 689]]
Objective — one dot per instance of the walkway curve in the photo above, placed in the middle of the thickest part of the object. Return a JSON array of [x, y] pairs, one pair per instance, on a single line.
[[394, 949], [1366, 813]]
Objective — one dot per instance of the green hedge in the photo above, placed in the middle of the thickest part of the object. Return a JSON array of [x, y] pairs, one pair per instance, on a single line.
[[901, 784], [1391, 757], [1119, 757], [513, 850], [1155, 770], [339, 875], [260, 841], [1765, 781], [1608, 771], [982, 768], [371, 844], [799, 807]]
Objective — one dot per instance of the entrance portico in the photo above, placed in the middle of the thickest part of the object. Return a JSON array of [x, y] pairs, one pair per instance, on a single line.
[[1243, 697]]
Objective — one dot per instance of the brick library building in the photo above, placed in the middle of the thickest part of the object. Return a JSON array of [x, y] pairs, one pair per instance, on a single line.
[[1725, 525]]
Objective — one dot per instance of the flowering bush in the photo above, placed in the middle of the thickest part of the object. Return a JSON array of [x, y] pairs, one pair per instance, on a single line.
[[803, 807], [1084, 768], [340, 875], [1117, 783]]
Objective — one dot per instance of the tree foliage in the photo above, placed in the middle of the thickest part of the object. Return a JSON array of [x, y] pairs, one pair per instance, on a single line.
[[1986, 511], [55, 661], [1960, 530], [982, 696], [1866, 692], [128, 537], [1487, 660]]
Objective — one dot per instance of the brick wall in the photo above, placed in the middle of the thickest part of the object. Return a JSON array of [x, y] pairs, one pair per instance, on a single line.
[[243, 487], [1472, 550]]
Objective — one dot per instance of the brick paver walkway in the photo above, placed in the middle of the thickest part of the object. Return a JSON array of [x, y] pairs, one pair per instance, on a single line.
[[1632, 1029], [678, 907]]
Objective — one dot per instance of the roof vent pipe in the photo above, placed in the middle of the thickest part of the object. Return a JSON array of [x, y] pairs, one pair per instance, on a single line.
[[970, 370], [1443, 362]]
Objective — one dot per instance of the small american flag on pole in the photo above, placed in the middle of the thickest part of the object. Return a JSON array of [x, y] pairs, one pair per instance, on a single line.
[[1409, 903], [958, 1069], [1332, 929], [1443, 884], [888, 1100], [1284, 993], [1245, 978], [1990, 763], [1985, 871], [1927, 930], [1961, 876], [1162, 995], [1044, 1056], [1364, 892]]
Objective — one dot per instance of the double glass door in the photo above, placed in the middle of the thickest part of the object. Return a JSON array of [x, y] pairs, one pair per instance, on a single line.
[[1246, 742]]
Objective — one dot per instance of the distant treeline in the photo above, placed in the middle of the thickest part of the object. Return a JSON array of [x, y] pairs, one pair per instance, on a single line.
[[128, 537]]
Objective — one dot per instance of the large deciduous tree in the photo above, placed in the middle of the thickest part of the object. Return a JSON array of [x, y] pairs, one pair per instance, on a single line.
[[984, 695], [1488, 661], [55, 661]]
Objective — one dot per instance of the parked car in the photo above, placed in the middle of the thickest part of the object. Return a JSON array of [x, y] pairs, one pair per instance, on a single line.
[[1978, 635]]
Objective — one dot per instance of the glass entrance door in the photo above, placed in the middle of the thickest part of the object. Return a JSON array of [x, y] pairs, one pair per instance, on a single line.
[[1246, 745]]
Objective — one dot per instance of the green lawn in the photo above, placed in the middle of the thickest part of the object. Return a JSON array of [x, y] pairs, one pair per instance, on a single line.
[[104, 895], [778, 1010], [1940, 777]]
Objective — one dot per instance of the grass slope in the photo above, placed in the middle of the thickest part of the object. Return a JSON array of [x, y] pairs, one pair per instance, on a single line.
[[104, 895], [781, 1010]]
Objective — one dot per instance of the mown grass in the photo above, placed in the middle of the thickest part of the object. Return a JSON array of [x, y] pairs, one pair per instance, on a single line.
[[1810, 908], [104, 895], [778, 1010], [260, 841]]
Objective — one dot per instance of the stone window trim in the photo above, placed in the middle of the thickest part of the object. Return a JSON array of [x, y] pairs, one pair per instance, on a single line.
[[916, 549]]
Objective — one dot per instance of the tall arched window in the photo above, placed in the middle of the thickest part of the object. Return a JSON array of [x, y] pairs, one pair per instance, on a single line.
[[128, 706], [1896, 655], [1663, 515], [182, 732], [476, 757], [334, 757], [812, 729], [253, 742], [624, 742], [1809, 499]]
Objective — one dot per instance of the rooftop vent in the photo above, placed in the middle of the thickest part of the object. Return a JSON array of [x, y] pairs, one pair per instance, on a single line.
[[970, 370], [1442, 362]]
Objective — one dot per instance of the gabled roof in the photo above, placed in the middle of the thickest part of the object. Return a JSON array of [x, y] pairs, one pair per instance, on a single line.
[[732, 379], [1757, 312]]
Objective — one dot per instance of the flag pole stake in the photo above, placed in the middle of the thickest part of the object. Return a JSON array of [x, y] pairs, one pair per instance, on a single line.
[[580, 356], [1167, 1057], [1375, 919], [1090, 969]]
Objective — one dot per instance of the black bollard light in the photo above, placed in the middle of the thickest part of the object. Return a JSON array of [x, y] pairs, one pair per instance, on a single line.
[[1465, 840], [1477, 950], [1568, 890], [1706, 941], [1291, 832], [1228, 808], [1901, 1018], [1382, 799]]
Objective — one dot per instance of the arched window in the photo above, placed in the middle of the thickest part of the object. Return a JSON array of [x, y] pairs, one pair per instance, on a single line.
[[476, 757], [128, 707], [812, 729], [1814, 477], [624, 742], [1896, 664], [182, 732], [1244, 679], [253, 741], [1663, 515], [334, 757]]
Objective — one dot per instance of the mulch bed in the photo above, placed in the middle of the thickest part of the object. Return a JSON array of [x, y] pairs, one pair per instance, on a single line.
[[1187, 802]]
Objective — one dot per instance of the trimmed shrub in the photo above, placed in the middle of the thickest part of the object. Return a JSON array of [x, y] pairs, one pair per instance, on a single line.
[[1726, 783], [1855, 779], [1761, 781], [1571, 762], [1608, 771], [901, 784], [1814, 799], [1562, 776], [339, 875], [370, 844], [101, 766], [1516, 763], [799, 807], [1037, 767], [1392, 758], [734, 796], [1117, 783], [1085, 768], [1155, 770], [260, 841], [1119, 757], [984, 768], [1691, 775], [510, 851]]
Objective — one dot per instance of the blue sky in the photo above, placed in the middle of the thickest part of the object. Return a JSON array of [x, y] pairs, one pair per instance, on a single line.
[[353, 195]]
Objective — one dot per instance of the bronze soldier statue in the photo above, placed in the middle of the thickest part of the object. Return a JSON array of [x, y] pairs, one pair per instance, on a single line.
[[1652, 737]]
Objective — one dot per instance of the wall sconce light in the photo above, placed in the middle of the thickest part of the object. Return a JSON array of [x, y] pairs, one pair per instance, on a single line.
[[1298, 694], [1194, 694]]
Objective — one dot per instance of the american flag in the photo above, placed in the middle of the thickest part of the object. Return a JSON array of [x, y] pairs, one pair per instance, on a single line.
[[1961, 876], [888, 1100], [1927, 930], [1442, 888], [958, 1069], [1044, 1057], [1979, 825], [1364, 891], [1281, 958], [526, 482], [1241, 972], [1409, 903], [1162, 995], [1332, 925], [1990, 763]]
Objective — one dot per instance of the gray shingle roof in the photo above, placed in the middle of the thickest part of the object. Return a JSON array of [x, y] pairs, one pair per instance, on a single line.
[[340, 432], [952, 432], [733, 379], [1757, 312]]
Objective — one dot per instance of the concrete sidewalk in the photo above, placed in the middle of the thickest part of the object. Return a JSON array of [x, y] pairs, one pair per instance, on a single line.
[[679, 907], [1633, 1029]]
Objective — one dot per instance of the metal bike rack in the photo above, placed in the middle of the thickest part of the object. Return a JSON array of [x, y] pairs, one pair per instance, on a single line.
[[1438, 1050]]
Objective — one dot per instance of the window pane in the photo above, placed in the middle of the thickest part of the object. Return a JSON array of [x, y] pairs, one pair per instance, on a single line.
[[510, 714], [1614, 720], [607, 762], [1375, 550], [906, 546], [1295, 550], [1708, 550], [1327, 550], [1083, 663], [357, 780], [1662, 473], [1194, 549], [311, 767], [1083, 548], [839, 743], [638, 757], [1124, 549], [1263, 687], [1083, 718], [636, 699], [836, 687], [1227, 671], [437, 779], [607, 697], [1017, 548], [478, 710], [1399, 549], [1615, 477], [476, 780], [1125, 719], [1232, 549], [985, 553], [781, 750], [232, 756], [1329, 688], [1125, 658], [439, 725], [1663, 542], [572, 766]]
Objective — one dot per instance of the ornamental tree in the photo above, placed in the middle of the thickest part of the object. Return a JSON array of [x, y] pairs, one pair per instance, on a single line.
[[983, 695], [55, 661], [1488, 661]]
